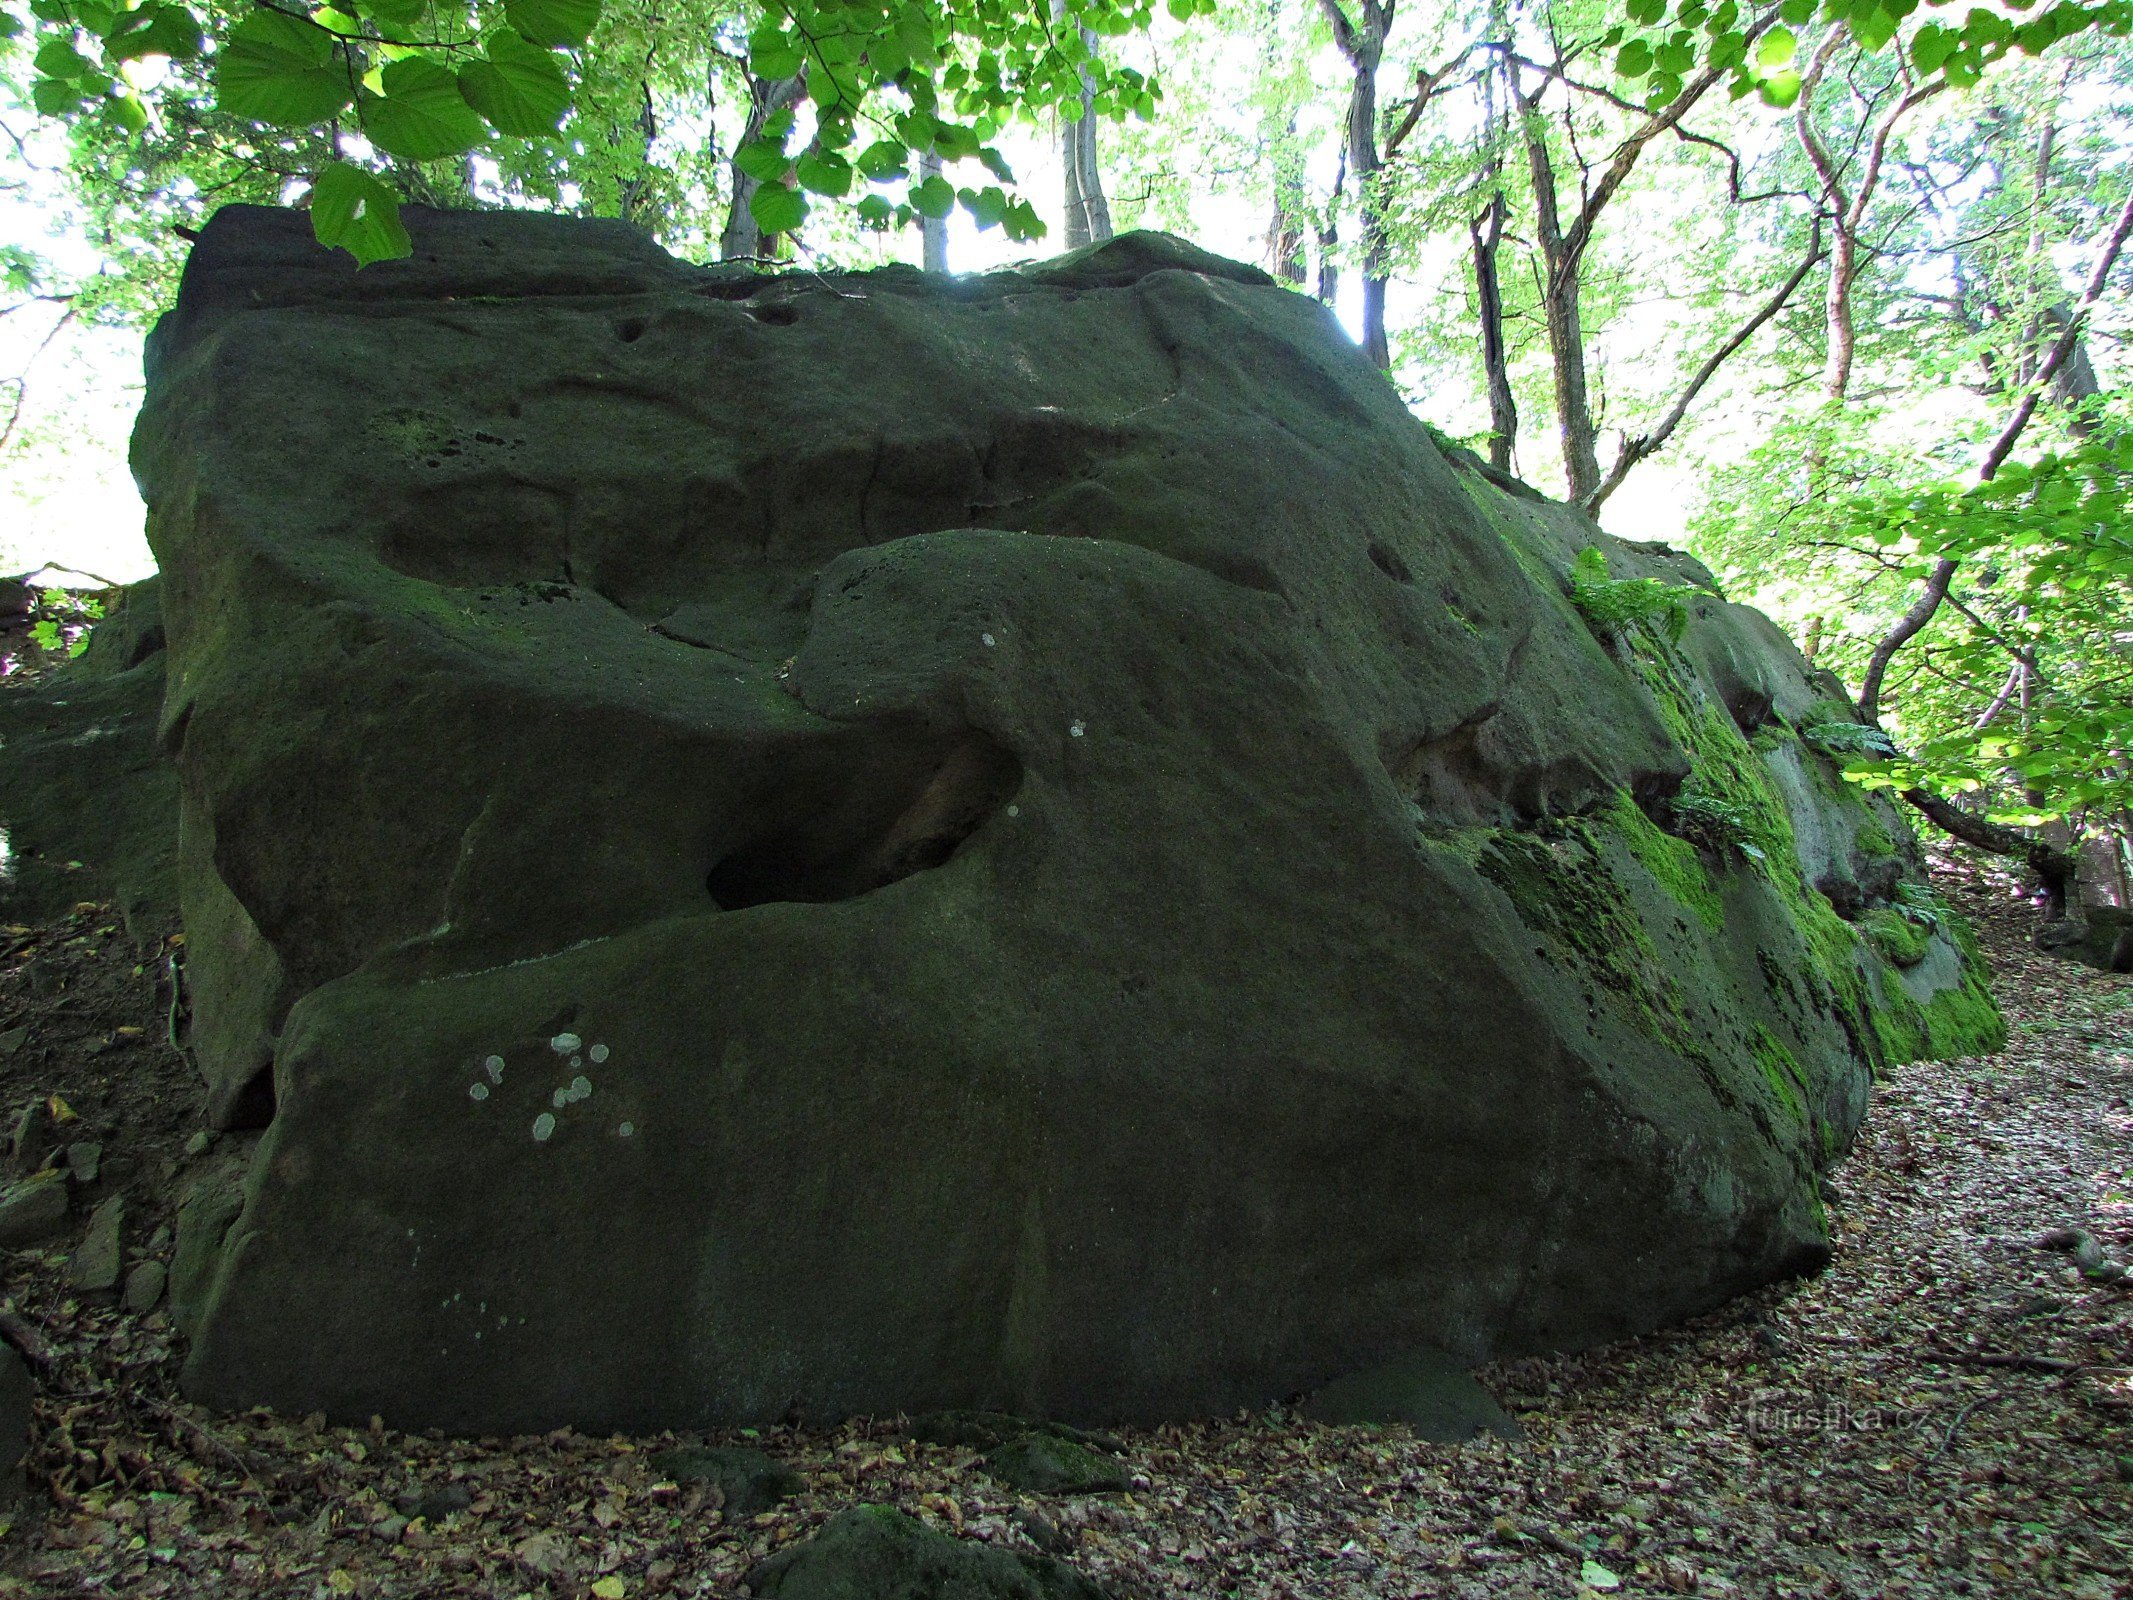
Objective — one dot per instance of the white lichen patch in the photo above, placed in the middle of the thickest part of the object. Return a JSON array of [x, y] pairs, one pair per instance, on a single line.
[[494, 1066], [560, 1099], [599, 1053], [626, 1129], [543, 1126], [478, 1091], [580, 1087], [1078, 728], [563, 1043]]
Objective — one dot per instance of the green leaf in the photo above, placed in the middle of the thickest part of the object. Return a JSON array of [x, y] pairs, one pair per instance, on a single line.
[[277, 70], [1874, 27], [1777, 49], [56, 58], [568, 23], [422, 116], [1932, 45], [762, 160], [356, 211], [776, 59], [55, 97], [155, 30], [519, 87], [1595, 1576], [1023, 224], [933, 198], [393, 14], [1645, 13], [1780, 89], [988, 206], [824, 172], [777, 208], [10, 25], [915, 33], [875, 211], [882, 160], [126, 112], [1635, 60]]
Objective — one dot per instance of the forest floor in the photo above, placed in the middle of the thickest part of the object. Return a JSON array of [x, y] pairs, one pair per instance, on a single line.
[[1948, 1410]]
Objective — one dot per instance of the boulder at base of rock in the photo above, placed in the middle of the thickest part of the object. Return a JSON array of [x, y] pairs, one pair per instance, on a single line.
[[33, 1211], [750, 1480], [2102, 937], [1430, 1393], [870, 843], [1040, 1463], [144, 1287], [94, 1266], [878, 1553]]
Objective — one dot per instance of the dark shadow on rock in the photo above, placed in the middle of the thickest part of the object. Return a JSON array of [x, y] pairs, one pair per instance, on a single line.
[[1430, 1393]]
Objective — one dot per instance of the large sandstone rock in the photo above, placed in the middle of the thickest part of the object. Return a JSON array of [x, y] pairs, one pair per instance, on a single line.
[[838, 843]]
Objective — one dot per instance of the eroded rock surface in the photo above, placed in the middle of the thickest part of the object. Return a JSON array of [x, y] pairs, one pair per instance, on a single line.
[[837, 843]]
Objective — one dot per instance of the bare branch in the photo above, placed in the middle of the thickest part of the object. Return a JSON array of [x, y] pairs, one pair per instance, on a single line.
[[1637, 449]]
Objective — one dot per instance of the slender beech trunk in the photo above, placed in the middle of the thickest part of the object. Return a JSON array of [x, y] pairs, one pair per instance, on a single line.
[[1846, 195], [1088, 213], [1560, 283], [742, 240], [1487, 231], [1562, 247], [932, 231], [1362, 41], [637, 187]]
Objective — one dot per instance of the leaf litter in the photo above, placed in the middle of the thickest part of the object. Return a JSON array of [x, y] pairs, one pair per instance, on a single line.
[[1945, 1411]]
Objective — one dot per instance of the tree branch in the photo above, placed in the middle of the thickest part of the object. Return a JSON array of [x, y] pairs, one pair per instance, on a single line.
[[1637, 449], [1928, 602]]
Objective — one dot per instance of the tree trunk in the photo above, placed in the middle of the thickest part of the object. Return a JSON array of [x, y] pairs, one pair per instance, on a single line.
[[1559, 303], [1487, 230], [1362, 42], [1088, 213], [742, 240], [932, 231], [636, 189], [1329, 238]]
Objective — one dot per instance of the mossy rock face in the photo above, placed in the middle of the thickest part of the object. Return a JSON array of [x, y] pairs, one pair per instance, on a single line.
[[750, 1480], [88, 804], [1043, 1463], [861, 844], [878, 1553]]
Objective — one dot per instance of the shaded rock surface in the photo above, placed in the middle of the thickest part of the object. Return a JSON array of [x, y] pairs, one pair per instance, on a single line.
[[33, 1210], [1427, 1392], [88, 804], [878, 1553], [768, 846], [750, 1480], [1043, 1463]]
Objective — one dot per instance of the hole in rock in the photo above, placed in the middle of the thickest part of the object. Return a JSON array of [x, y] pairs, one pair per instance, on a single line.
[[880, 825], [778, 316], [630, 329], [253, 1105], [1388, 562]]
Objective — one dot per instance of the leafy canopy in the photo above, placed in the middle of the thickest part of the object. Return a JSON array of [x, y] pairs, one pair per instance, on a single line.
[[883, 84]]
